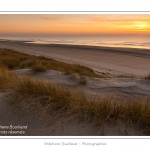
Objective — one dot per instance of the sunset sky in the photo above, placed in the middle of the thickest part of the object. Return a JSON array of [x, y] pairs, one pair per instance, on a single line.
[[75, 24]]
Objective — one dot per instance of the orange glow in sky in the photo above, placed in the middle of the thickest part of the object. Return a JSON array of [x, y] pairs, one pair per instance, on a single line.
[[75, 24]]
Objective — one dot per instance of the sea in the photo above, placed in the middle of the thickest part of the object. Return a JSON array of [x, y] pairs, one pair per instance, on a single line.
[[130, 41]]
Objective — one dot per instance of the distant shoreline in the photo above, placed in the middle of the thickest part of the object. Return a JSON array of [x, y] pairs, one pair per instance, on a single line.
[[94, 47]]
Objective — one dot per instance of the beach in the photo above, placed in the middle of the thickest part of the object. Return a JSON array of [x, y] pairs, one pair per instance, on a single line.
[[118, 61], [53, 102]]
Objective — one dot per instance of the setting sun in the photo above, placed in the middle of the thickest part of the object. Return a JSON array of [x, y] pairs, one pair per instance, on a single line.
[[141, 25]]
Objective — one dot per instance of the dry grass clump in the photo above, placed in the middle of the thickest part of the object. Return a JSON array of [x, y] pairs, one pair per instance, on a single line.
[[147, 77], [17, 60], [11, 59], [39, 67], [82, 80], [7, 79], [59, 101], [44, 97]]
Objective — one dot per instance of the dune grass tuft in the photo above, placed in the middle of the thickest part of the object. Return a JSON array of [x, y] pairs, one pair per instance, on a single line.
[[147, 77], [82, 80], [39, 67], [7, 79]]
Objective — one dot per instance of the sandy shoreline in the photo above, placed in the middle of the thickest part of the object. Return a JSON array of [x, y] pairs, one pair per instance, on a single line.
[[129, 61], [41, 123]]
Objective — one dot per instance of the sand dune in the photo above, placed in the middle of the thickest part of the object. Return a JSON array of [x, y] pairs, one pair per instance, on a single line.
[[119, 87], [39, 125]]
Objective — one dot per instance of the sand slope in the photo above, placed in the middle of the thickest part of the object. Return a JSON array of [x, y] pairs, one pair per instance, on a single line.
[[42, 125], [120, 87]]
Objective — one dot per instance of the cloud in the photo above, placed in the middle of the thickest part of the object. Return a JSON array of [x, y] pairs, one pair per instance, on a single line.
[[118, 18], [52, 17]]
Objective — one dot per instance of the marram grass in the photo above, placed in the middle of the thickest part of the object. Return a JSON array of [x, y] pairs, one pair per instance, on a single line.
[[57, 101]]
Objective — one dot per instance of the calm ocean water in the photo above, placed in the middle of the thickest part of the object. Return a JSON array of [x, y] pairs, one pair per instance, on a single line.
[[135, 41]]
